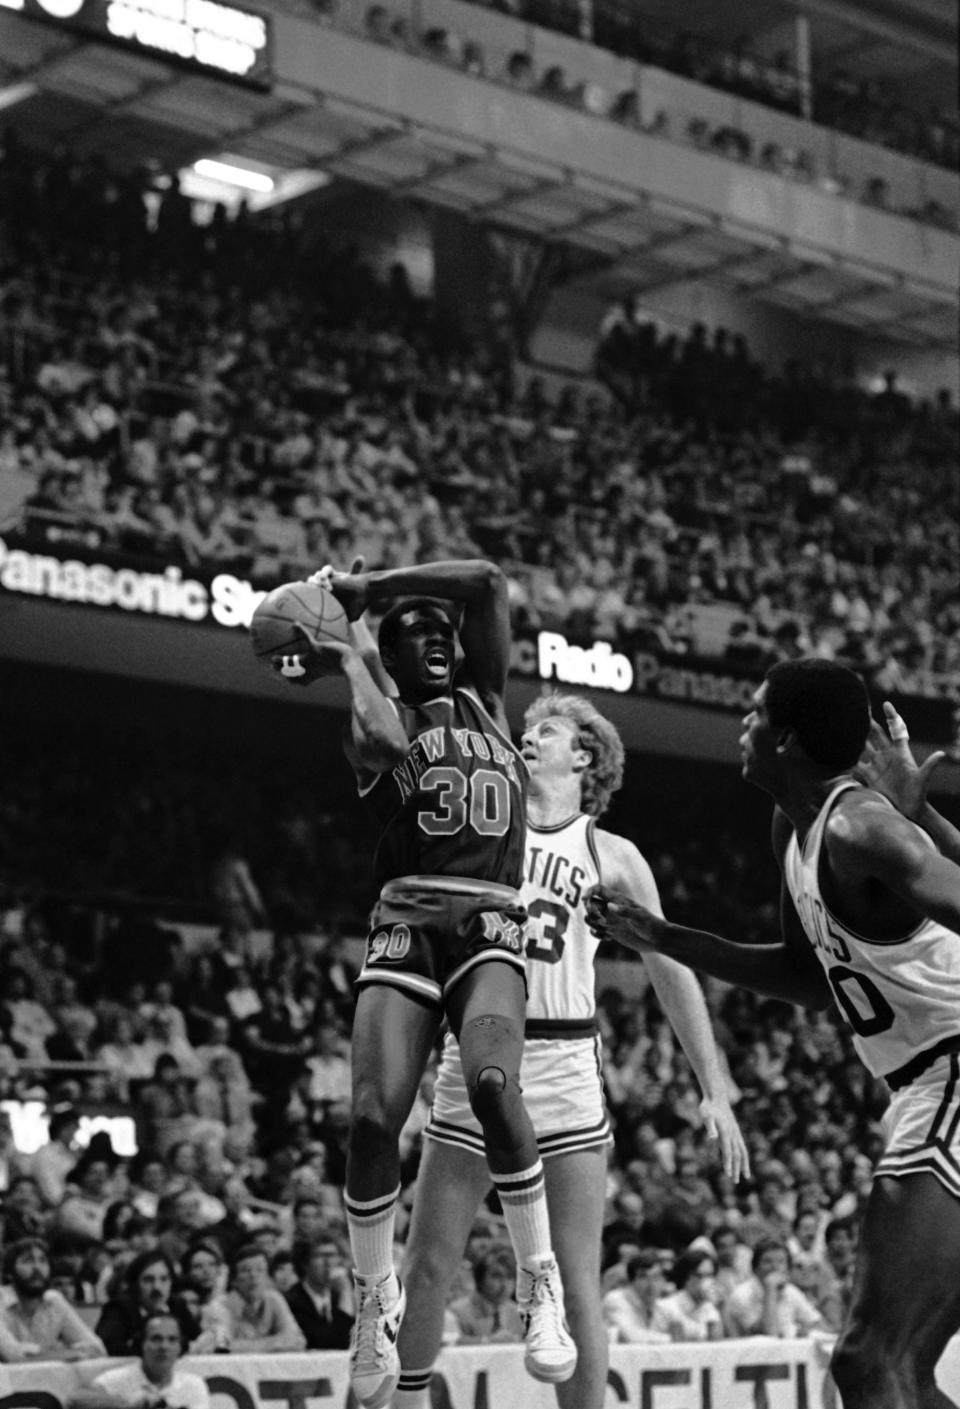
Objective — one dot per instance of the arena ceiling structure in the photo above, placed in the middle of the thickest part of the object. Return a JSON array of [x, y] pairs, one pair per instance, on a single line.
[[68, 85]]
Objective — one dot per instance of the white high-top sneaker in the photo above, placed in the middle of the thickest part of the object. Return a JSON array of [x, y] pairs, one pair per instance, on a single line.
[[549, 1352], [374, 1362]]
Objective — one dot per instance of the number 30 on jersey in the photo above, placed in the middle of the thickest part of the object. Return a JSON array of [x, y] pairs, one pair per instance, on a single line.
[[481, 801]]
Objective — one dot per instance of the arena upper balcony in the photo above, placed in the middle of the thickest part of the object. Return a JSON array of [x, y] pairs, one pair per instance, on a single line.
[[621, 161]]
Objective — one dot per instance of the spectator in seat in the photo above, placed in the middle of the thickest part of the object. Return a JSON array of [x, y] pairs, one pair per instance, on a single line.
[[23, 1214], [691, 1310], [124, 1055], [632, 1312], [768, 1304], [488, 1314], [147, 1290], [40, 1323], [840, 1241], [377, 24], [165, 1108], [152, 1380], [90, 1193], [261, 1322], [236, 1226], [30, 1024], [519, 71], [767, 1221], [320, 1299], [733, 1262], [184, 1219], [283, 1270], [203, 1274]]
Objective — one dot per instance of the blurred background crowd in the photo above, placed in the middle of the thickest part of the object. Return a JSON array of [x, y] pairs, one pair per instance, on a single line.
[[879, 110], [235, 395]]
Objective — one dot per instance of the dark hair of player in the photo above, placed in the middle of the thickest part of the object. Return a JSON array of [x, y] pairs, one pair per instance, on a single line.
[[594, 734], [390, 624], [826, 705]]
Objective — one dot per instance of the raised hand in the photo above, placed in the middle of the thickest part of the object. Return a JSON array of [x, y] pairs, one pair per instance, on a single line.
[[888, 765], [721, 1125], [321, 656], [350, 587]]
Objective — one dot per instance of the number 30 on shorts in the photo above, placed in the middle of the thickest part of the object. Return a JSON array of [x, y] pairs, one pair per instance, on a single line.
[[389, 944]]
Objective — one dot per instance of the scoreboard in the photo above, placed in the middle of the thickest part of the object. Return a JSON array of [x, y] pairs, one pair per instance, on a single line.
[[210, 36]]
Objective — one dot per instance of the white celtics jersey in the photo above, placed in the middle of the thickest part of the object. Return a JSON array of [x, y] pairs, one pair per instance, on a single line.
[[901, 997], [560, 865]]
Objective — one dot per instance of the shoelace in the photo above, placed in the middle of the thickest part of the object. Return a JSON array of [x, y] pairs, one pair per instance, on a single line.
[[542, 1295], [369, 1343]]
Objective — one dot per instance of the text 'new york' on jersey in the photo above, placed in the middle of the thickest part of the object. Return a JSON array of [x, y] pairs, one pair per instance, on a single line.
[[455, 805]]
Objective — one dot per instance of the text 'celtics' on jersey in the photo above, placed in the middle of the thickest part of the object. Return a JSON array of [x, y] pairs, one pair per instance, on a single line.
[[455, 805]]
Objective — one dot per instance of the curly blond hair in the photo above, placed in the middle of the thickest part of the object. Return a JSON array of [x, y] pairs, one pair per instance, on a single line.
[[594, 734]]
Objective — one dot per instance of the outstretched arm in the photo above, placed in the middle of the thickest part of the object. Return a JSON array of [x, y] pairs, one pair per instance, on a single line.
[[683, 1004], [478, 584], [888, 766], [786, 970]]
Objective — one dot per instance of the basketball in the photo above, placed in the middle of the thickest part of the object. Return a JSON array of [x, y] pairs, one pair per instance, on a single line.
[[273, 627]]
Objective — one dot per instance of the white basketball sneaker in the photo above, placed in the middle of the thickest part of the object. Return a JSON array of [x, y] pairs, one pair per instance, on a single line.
[[374, 1362], [549, 1352]]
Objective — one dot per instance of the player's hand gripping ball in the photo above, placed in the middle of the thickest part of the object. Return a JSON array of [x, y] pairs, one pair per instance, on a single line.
[[290, 653]]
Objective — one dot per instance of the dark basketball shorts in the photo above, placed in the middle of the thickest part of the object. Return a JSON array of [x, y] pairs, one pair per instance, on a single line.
[[427, 932]]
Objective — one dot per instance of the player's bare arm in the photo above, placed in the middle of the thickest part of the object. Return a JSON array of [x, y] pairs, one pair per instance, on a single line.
[[787, 970], [376, 740], [889, 767], [484, 628], [866, 842], [682, 1001]]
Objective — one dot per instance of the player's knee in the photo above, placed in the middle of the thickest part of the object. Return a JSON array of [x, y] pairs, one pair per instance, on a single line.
[[373, 1124], [488, 1091]]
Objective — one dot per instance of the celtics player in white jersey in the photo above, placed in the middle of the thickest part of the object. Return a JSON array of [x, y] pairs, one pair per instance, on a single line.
[[870, 919], [575, 762]]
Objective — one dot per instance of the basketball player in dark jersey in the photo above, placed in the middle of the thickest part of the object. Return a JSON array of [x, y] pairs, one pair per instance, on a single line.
[[446, 936]]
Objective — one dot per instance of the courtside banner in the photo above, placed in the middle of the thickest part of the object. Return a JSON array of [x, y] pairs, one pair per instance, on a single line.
[[759, 1373], [215, 37], [204, 596]]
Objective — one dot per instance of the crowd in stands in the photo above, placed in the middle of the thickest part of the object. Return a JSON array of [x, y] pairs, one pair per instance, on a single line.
[[229, 1052], [161, 405], [874, 109]]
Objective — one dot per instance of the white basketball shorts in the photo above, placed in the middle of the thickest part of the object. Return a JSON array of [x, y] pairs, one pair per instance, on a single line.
[[922, 1126], [562, 1090]]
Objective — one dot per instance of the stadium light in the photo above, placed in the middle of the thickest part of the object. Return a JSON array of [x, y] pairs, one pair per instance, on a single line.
[[240, 176], [16, 93]]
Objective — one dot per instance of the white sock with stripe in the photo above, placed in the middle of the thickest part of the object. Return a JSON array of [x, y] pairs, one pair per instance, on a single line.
[[371, 1228], [524, 1200]]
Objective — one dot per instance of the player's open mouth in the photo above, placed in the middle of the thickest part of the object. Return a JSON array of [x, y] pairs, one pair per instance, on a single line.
[[436, 663]]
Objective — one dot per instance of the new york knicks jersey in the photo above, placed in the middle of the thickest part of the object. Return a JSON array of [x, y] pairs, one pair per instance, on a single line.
[[901, 997], [455, 805], [560, 866]]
